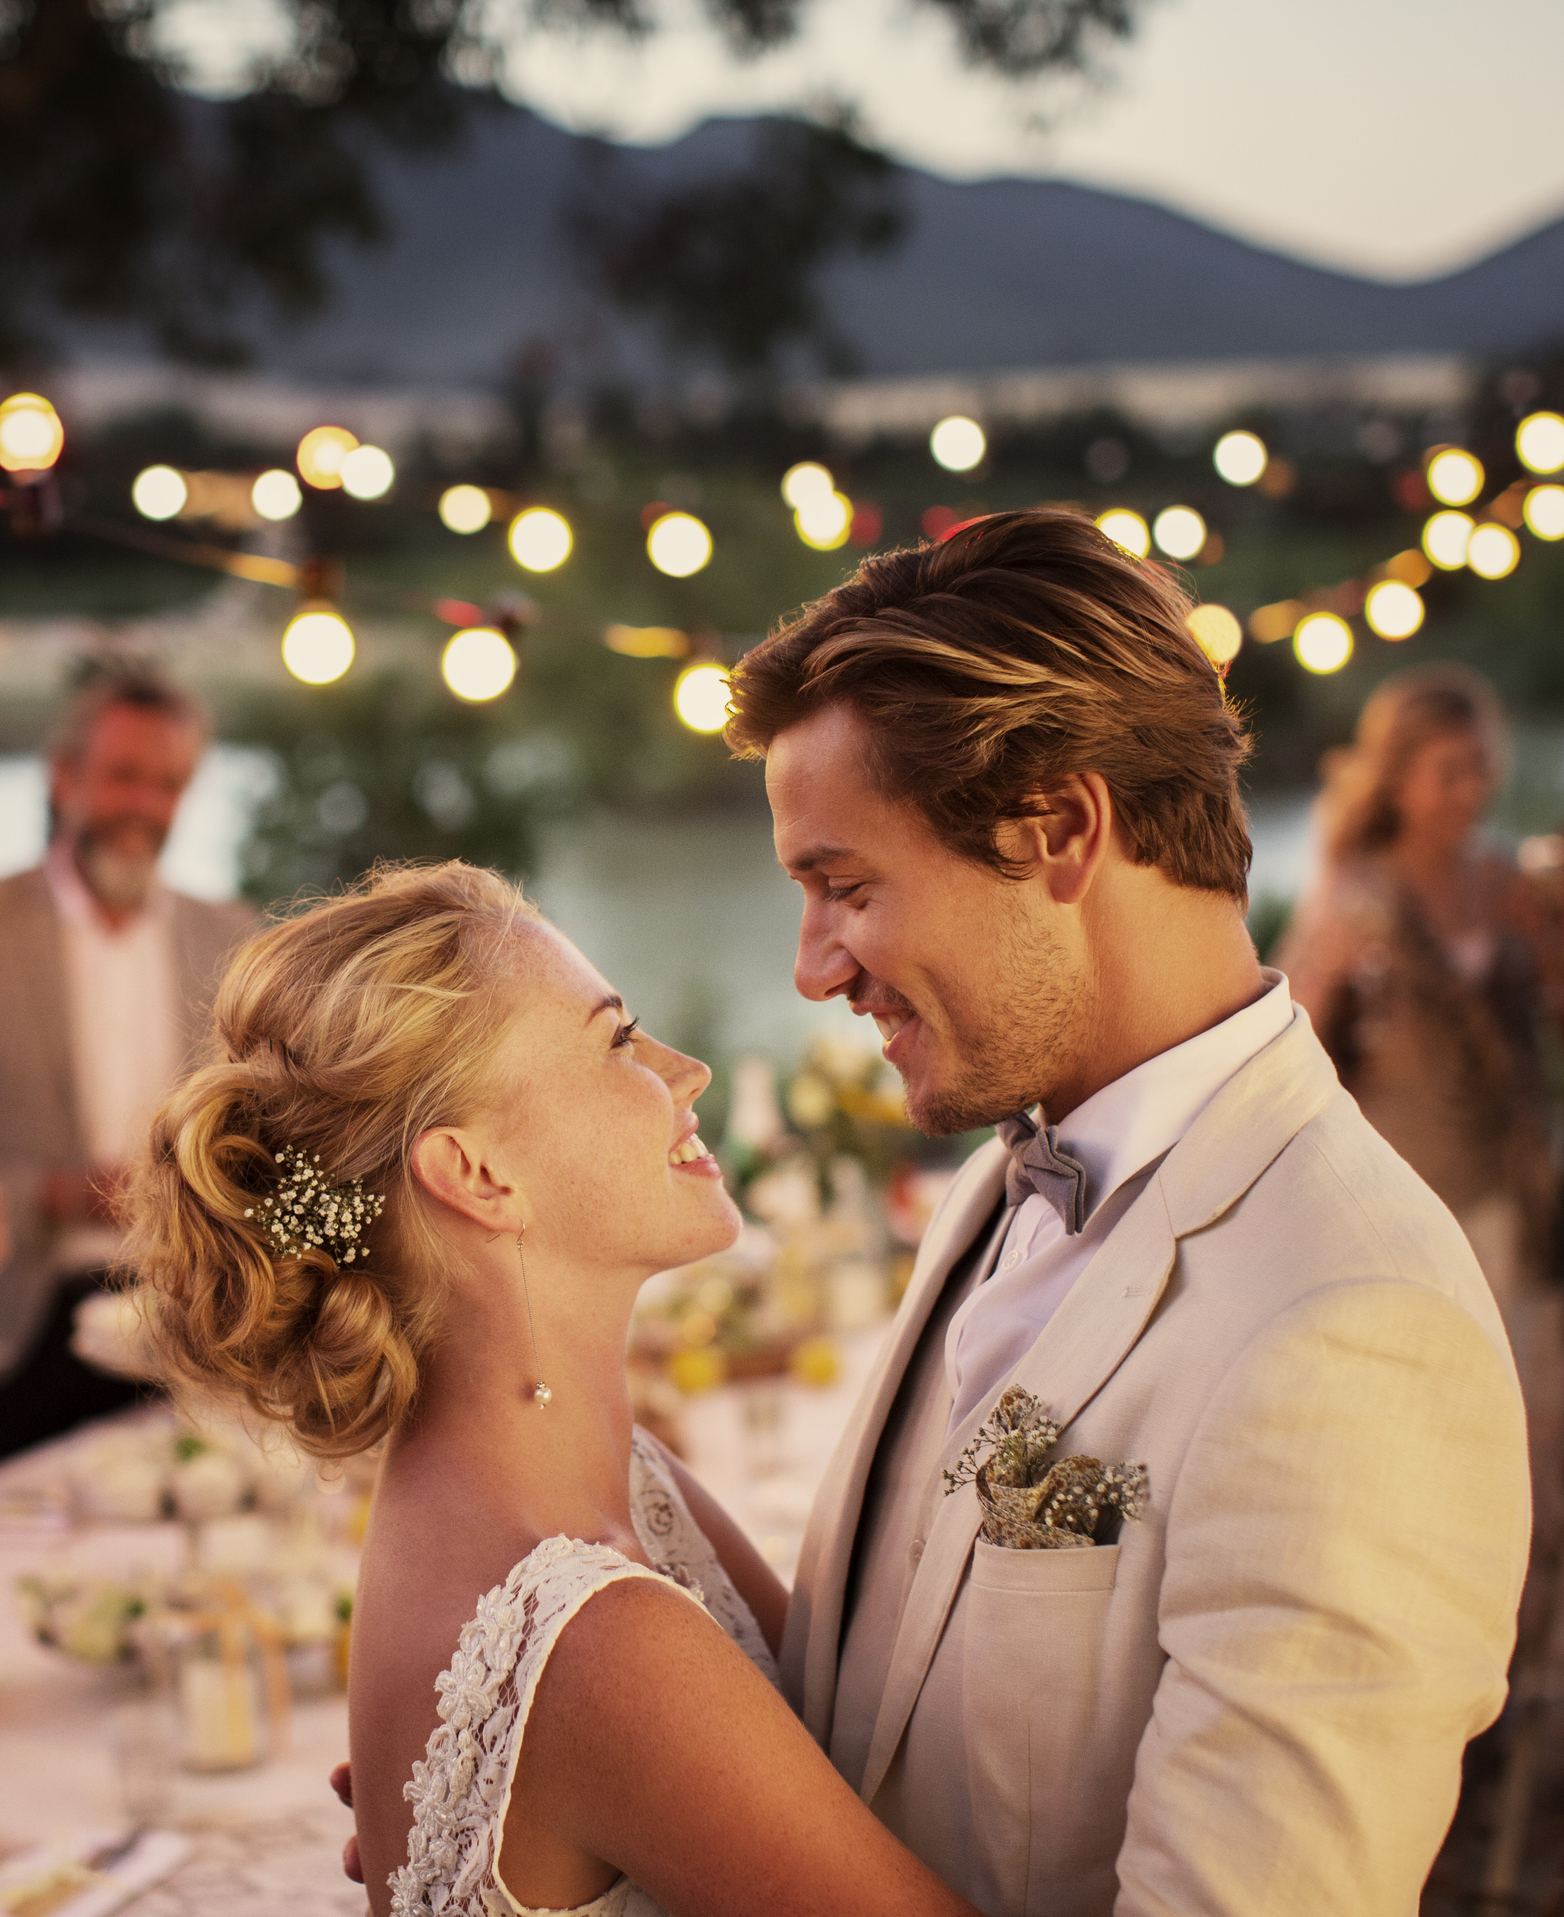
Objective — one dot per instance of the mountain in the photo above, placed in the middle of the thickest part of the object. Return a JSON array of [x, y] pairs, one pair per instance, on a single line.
[[991, 274]]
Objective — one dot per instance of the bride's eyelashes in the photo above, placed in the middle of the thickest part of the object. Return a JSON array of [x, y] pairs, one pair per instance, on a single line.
[[626, 1034]]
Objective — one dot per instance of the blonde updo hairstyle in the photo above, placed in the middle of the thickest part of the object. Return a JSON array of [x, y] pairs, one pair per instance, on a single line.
[[346, 1031]]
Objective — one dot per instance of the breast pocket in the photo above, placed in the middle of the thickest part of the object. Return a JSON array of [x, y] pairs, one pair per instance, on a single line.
[[1032, 1656]]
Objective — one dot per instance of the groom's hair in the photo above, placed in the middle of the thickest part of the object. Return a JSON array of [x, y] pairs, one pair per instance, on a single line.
[[1021, 649]]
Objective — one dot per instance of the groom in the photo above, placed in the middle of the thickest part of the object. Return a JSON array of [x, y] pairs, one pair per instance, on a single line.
[[1006, 779]]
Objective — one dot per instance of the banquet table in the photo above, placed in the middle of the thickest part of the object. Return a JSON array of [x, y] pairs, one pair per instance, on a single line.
[[270, 1838]]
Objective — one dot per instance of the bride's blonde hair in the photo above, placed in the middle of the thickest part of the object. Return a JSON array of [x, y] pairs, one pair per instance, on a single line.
[[345, 1031]]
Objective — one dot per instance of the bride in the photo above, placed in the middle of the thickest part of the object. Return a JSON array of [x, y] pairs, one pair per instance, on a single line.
[[412, 1202]]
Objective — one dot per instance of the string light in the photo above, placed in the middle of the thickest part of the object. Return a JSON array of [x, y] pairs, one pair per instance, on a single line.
[[1445, 539], [700, 697], [1493, 551], [1323, 642], [318, 645], [367, 472], [1179, 531], [465, 509], [540, 539], [958, 443], [275, 495], [824, 521], [1393, 609], [805, 481], [478, 663], [678, 545], [1217, 633], [1454, 476], [159, 492], [32, 436], [1128, 531], [320, 455], [1539, 442], [1240, 458], [1544, 511]]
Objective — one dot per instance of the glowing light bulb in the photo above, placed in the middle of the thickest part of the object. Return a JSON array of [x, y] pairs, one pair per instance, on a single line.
[[465, 509], [805, 481], [276, 495], [1179, 531], [159, 492], [1393, 609], [1322, 642], [678, 545], [1544, 511], [320, 455], [31, 434], [1445, 539], [478, 663], [367, 472], [1539, 442], [958, 443], [1493, 551], [1454, 476], [318, 646], [1217, 633], [1240, 458], [1127, 530], [824, 521], [540, 539], [700, 697]]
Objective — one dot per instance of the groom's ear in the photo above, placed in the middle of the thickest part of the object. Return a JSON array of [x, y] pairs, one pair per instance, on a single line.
[[452, 1166], [1064, 842]]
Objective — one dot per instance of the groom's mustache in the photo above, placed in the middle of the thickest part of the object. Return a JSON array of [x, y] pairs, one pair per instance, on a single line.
[[868, 995]]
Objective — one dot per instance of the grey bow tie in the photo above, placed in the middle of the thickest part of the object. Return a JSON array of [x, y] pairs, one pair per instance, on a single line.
[[1037, 1164]]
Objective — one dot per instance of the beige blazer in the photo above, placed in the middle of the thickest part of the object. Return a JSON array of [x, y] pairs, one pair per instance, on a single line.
[[39, 1129], [1257, 1700]]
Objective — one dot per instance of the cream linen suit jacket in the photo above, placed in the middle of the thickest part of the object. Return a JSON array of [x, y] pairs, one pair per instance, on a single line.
[[1257, 1700]]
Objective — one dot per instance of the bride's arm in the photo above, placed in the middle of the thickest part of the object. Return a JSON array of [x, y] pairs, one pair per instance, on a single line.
[[654, 1746], [754, 1580]]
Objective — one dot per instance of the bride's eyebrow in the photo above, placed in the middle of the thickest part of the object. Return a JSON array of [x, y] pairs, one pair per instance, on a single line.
[[613, 1003]]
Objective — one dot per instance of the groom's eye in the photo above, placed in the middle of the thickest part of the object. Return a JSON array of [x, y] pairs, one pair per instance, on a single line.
[[836, 893]]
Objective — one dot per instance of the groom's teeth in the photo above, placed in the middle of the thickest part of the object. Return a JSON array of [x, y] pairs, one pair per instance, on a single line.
[[688, 1152], [888, 1027]]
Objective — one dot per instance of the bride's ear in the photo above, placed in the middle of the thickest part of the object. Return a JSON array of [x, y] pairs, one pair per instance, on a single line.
[[451, 1165]]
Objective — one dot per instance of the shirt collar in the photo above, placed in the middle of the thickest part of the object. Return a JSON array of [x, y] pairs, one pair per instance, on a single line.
[[1121, 1129]]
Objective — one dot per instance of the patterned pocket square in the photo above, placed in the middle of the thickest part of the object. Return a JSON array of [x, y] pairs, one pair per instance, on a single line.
[[1032, 1505]]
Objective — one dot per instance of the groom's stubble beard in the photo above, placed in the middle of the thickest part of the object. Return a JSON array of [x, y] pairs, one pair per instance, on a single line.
[[1023, 1036]]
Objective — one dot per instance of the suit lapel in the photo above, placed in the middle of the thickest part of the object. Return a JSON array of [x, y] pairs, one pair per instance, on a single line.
[[39, 953], [812, 1645], [1232, 1142]]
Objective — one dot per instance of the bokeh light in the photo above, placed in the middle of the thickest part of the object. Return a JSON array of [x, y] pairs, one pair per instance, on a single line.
[[678, 544], [320, 456], [1127, 530], [1393, 609], [1323, 642], [276, 495], [32, 436], [478, 663], [540, 539], [1240, 458], [1454, 476], [1445, 540], [824, 521], [700, 697], [1544, 511], [159, 492], [318, 646], [1539, 442], [805, 481], [1179, 531], [367, 472], [1493, 551], [958, 443], [1217, 633], [465, 509]]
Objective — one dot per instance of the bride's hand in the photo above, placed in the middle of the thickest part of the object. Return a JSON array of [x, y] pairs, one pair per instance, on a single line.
[[342, 1784]]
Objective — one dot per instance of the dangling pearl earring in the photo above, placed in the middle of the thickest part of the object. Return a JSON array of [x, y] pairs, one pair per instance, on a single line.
[[542, 1394]]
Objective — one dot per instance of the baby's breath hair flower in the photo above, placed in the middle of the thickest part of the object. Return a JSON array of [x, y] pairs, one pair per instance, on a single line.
[[307, 1213]]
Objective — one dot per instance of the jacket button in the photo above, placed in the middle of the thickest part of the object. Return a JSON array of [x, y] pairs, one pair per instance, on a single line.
[[915, 1550]]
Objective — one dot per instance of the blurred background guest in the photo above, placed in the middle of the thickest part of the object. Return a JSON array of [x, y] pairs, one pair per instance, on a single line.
[[1411, 956], [107, 976]]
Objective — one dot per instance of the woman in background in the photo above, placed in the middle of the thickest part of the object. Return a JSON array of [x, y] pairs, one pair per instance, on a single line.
[[1411, 956]]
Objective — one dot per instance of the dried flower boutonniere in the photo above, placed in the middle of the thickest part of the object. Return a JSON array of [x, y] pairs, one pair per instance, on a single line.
[[1031, 1505]]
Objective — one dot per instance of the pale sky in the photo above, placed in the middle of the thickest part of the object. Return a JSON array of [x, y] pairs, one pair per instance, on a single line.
[[1397, 138]]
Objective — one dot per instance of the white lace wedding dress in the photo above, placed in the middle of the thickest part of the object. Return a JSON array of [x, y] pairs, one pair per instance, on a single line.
[[461, 1791]]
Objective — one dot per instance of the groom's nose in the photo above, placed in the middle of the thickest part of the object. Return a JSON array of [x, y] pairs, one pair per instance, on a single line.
[[824, 967]]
